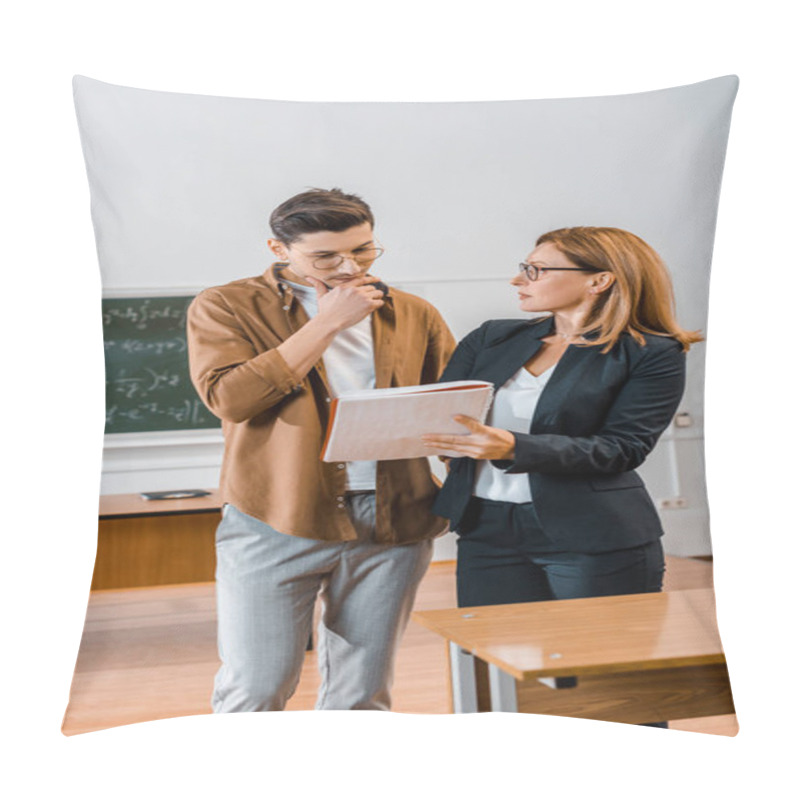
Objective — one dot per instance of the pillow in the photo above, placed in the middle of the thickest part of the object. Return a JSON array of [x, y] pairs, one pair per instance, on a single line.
[[181, 190]]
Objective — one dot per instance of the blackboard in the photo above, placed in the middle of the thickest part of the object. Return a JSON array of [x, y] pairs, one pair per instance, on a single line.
[[147, 371]]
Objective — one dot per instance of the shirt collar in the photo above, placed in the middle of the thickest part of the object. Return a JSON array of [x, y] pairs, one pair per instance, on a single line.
[[273, 277]]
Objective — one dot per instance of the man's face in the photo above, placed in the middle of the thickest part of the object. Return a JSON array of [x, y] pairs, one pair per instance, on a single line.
[[332, 257]]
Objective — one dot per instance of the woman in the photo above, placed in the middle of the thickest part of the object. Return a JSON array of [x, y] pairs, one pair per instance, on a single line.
[[544, 497]]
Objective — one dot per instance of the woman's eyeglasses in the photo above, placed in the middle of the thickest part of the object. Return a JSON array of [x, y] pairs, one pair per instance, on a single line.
[[532, 272]]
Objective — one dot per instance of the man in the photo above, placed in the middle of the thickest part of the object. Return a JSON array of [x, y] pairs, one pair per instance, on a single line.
[[267, 354]]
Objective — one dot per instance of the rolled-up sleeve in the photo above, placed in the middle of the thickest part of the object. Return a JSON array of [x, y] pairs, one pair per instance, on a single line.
[[232, 379]]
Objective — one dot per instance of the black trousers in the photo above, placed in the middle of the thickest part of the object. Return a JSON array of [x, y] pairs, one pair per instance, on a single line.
[[504, 556]]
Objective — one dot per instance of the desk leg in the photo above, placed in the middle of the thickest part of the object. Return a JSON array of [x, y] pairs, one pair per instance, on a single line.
[[503, 689], [462, 675]]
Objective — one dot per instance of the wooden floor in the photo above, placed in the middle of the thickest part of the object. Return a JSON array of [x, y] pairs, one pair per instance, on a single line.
[[150, 654]]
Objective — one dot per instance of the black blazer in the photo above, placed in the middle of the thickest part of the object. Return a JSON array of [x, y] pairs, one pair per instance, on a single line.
[[597, 419]]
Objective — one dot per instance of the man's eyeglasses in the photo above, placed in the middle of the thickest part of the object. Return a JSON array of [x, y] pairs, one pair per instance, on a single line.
[[362, 256], [532, 272]]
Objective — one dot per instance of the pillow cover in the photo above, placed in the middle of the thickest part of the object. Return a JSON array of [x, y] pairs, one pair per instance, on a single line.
[[181, 190]]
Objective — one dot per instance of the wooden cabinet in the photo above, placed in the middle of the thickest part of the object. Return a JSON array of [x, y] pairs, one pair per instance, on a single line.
[[155, 542]]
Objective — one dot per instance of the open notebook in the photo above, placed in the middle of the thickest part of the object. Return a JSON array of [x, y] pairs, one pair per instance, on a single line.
[[385, 424]]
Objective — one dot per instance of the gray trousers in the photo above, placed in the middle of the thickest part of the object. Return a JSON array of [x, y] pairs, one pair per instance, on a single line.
[[267, 583]]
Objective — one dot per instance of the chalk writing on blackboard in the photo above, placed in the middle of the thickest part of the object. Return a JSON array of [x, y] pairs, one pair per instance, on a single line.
[[142, 313], [191, 413], [147, 371]]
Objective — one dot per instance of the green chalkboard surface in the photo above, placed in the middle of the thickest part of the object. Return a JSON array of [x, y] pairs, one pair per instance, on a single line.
[[147, 372]]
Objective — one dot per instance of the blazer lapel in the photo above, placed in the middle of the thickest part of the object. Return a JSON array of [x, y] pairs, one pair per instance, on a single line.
[[567, 373], [513, 353]]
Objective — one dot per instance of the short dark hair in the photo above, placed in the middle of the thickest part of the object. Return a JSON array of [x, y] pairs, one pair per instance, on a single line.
[[318, 210]]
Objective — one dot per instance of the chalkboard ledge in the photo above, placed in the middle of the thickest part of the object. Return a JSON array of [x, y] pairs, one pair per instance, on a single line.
[[124, 441]]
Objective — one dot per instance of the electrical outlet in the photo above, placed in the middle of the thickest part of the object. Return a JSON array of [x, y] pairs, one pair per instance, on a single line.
[[671, 503]]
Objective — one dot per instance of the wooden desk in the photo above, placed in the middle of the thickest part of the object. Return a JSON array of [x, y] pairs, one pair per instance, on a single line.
[[637, 658], [155, 542]]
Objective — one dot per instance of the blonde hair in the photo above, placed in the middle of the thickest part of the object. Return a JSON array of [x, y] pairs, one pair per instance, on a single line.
[[640, 300]]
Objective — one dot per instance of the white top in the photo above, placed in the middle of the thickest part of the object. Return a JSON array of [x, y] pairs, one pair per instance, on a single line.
[[350, 365], [512, 410]]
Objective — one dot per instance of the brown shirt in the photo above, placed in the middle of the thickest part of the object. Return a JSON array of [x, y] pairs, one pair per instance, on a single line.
[[274, 422]]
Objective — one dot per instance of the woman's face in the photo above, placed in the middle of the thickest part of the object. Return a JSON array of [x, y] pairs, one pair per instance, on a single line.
[[554, 291]]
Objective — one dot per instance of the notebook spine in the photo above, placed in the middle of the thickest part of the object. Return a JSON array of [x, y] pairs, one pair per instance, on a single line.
[[323, 456], [487, 405]]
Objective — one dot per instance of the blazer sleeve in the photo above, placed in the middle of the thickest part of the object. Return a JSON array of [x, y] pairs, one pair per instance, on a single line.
[[232, 379], [640, 413], [460, 366]]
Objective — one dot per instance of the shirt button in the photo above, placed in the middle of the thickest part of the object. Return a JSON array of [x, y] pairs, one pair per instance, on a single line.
[[327, 399], [340, 466], [286, 308]]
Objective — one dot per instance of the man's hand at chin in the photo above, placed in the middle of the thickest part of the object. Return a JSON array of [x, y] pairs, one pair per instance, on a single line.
[[347, 303]]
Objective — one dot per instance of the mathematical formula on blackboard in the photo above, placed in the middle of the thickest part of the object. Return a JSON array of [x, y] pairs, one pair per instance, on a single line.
[[147, 370]]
